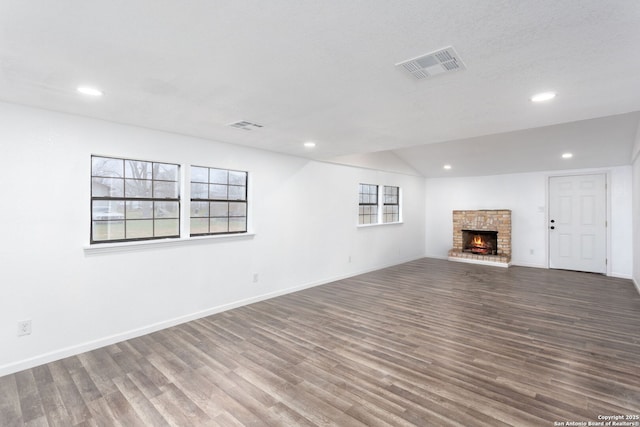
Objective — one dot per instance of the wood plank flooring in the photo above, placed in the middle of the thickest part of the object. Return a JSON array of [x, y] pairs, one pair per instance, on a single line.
[[426, 343]]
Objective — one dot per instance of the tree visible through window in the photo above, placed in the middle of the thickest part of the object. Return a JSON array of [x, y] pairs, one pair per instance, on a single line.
[[218, 201], [133, 200]]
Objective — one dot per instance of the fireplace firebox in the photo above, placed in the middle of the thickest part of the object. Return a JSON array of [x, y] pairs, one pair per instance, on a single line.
[[480, 242]]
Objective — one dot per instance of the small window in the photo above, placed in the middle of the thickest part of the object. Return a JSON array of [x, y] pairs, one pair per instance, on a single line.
[[133, 200], [218, 201], [391, 206], [368, 204]]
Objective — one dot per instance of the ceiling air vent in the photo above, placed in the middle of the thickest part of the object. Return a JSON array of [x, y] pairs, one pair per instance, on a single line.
[[441, 61], [245, 125]]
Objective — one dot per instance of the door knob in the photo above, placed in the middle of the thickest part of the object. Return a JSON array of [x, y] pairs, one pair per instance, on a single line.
[[552, 221], [552, 227]]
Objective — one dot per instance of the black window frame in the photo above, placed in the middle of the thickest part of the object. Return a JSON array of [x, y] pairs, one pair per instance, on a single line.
[[366, 207], [218, 200], [96, 218], [391, 204]]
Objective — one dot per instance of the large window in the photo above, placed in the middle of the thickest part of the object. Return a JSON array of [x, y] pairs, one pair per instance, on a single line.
[[368, 204], [391, 206], [133, 200], [218, 201]]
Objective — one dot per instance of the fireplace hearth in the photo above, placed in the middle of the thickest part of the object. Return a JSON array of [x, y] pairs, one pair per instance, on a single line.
[[482, 237]]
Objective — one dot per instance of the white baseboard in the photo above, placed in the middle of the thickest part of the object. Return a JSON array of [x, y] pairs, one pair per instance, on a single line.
[[527, 264], [437, 256], [621, 276], [52, 356], [637, 285]]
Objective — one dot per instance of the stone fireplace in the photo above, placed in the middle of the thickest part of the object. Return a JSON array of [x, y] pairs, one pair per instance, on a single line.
[[482, 237]]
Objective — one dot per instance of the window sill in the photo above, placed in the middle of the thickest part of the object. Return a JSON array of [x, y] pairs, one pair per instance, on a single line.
[[379, 224], [102, 248]]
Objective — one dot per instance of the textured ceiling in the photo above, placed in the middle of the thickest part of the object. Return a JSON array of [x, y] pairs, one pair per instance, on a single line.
[[324, 71]]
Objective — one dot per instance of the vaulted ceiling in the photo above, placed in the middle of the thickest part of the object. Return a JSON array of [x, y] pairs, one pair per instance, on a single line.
[[324, 71]]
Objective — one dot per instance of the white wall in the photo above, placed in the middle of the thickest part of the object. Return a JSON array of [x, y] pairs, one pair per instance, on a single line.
[[304, 217], [526, 195], [635, 159]]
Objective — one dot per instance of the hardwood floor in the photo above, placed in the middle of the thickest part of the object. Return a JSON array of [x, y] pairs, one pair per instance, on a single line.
[[427, 343]]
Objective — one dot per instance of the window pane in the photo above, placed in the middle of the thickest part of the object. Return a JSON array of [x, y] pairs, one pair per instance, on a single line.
[[117, 187], [238, 224], [107, 230], [139, 228], [237, 193], [218, 192], [390, 195], [199, 174], [137, 209], [165, 190], [108, 210], [166, 227], [223, 185], [106, 166], [237, 209], [167, 210], [220, 209], [199, 226], [199, 209], [165, 171], [237, 178], [137, 188], [199, 191], [218, 176], [107, 187], [137, 169], [219, 225]]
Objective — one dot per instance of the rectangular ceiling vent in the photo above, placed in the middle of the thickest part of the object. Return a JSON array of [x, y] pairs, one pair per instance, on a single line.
[[441, 61], [245, 125]]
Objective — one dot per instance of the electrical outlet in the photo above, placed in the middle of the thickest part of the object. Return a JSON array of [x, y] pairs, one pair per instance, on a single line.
[[255, 277], [24, 328], [349, 258]]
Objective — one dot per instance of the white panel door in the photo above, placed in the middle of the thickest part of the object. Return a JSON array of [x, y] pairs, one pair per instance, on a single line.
[[577, 223]]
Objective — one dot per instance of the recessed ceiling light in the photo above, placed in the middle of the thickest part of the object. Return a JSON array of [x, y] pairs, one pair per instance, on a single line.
[[447, 167], [309, 144], [567, 155], [544, 96], [91, 91]]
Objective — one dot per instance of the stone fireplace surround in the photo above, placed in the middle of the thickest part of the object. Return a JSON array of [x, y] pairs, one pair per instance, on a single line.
[[498, 220]]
